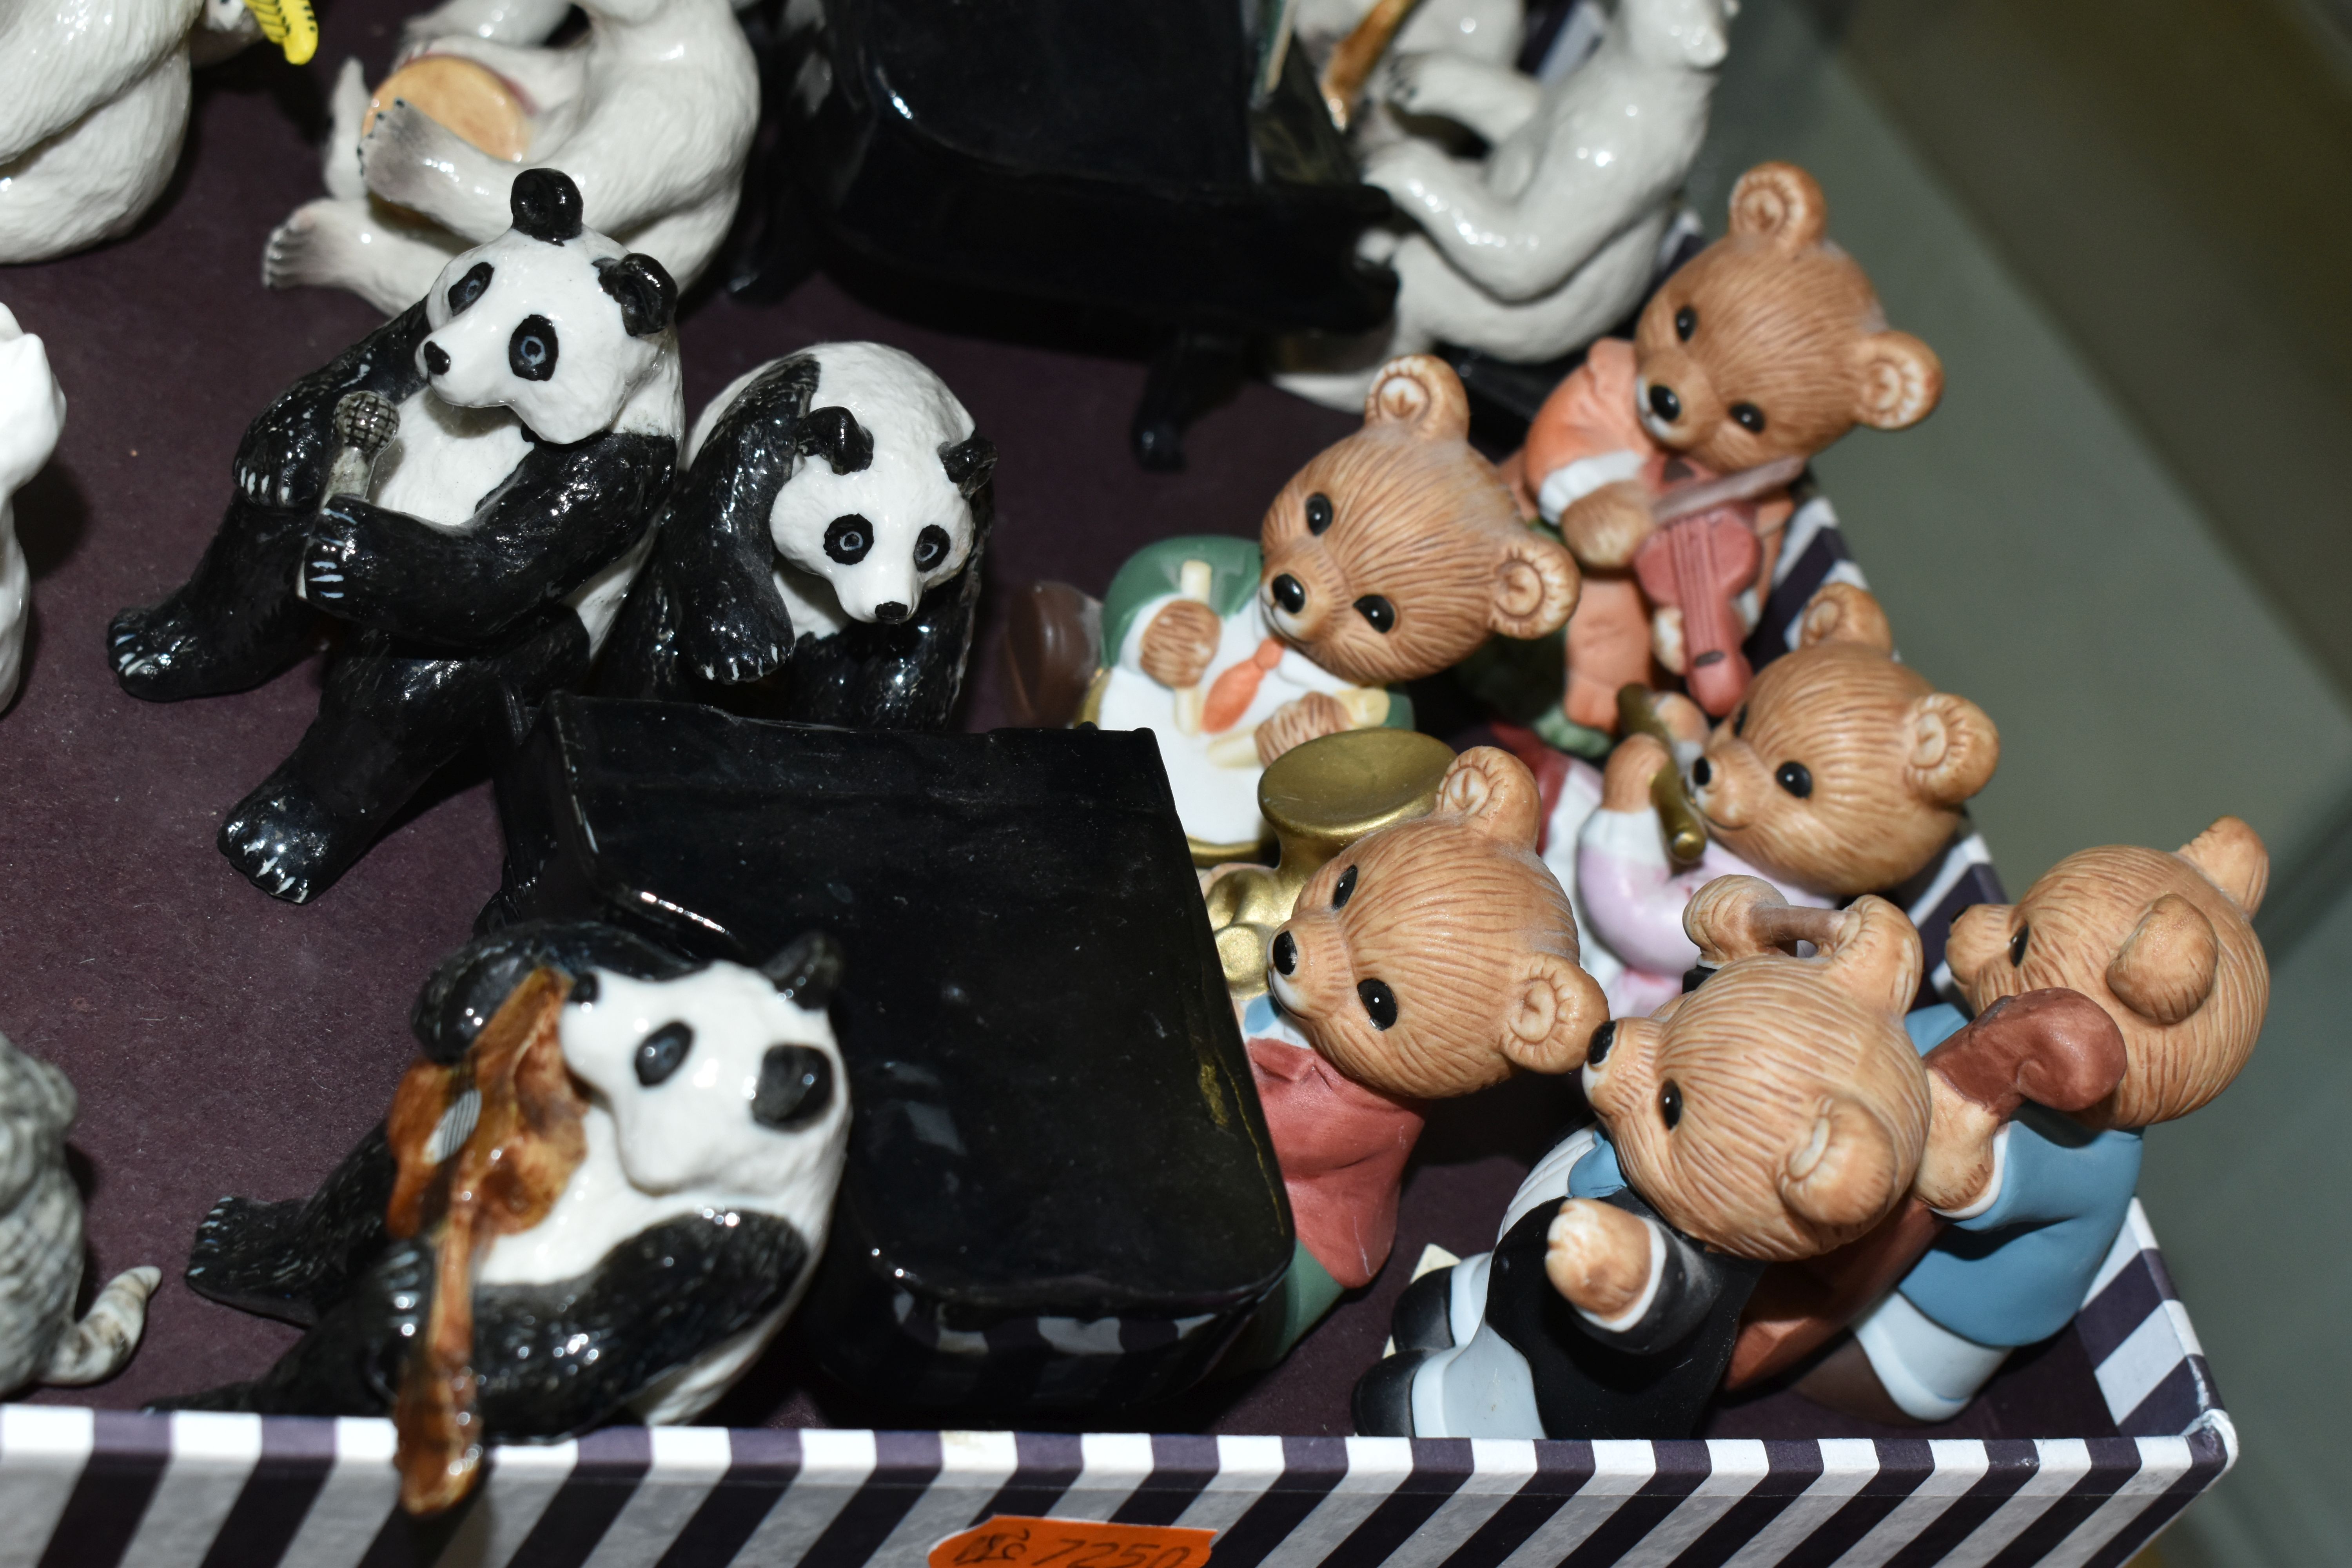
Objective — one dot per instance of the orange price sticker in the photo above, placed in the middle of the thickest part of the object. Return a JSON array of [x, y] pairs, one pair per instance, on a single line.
[[1018, 1541]]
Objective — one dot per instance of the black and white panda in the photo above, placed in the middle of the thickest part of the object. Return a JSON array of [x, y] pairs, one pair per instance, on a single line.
[[482, 553], [824, 546], [718, 1122]]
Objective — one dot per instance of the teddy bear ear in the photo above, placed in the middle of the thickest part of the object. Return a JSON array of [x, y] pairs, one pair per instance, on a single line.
[[1841, 612], [1980, 935], [1899, 381], [1874, 954], [1537, 586], [1547, 1023], [2231, 855], [1739, 917], [1780, 203], [1847, 1172], [2164, 970], [1954, 749], [1494, 792], [1421, 393]]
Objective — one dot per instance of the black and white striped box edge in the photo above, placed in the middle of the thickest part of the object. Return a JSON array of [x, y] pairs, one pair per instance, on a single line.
[[82, 1488]]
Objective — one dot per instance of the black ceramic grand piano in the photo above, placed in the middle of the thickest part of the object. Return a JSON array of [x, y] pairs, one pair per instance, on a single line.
[[1152, 160]]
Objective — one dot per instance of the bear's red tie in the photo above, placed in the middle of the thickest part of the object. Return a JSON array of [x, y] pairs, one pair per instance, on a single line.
[[1231, 693]]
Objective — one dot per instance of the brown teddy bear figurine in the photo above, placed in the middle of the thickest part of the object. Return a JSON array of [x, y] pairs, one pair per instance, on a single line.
[[1424, 961], [1665, 461], [1842, 772], [1391, 555], [2164, 944], [1776, 1112]]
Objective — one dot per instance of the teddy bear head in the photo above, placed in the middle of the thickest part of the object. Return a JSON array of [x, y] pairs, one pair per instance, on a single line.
[[1770, 343], [1780, 1110], [1435, 957], [1843, 770], [1393, 553], [2164, 943]]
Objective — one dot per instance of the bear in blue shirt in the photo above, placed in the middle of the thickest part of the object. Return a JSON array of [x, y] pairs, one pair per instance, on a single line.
[[2164, 943]]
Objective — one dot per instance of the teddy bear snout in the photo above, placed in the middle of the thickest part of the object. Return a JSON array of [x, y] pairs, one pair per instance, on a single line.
[[1306, 965], [1665, 405], [1298, 597], [1715, 789], [1610, 1065], [436, 359]]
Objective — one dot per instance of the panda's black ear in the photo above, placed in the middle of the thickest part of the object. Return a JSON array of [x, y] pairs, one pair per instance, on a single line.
[[646, 293], [545, 204], [469, 985], [808, 969], [969, 463], [833, 434]]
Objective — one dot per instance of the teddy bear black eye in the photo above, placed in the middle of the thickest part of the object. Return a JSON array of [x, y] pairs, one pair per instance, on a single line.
[[1345, 890], [1685, 324], [1750, 418], [930, 547], [1794, 777], [2017, 947], [795, 1086], [1739, 721], [663, 1052], [1670, 1105], [1318, 512], [530, 352], [847, 538], [1379, 611], [469, 288], [1380, 1002]]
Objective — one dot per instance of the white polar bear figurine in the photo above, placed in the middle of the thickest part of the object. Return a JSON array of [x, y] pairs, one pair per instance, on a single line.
[[651, 113], [1553, 238], [93, 107], [41, 1244], [32, 417]]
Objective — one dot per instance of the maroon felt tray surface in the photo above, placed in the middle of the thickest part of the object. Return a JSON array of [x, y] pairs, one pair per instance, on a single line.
[[224, 1042]]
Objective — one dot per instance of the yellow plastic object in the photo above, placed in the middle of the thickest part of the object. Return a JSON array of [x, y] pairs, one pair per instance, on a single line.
[[292, 25]]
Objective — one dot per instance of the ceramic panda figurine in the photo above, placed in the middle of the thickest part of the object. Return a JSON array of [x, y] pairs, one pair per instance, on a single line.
[[823, 550], [717, 1122], [481, 558]]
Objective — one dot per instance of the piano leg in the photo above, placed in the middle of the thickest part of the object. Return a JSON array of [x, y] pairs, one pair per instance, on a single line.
[[1192, 370]]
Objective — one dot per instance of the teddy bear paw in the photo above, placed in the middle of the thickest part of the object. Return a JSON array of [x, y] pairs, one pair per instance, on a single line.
[[1298, 721], [1178, 645]]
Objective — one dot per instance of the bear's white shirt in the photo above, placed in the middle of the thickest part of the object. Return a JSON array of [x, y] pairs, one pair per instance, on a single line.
[[1214, 777]]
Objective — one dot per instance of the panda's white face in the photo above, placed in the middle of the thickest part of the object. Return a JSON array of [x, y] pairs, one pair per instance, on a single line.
[[717, 1082], [528, 324], [885, 533]]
